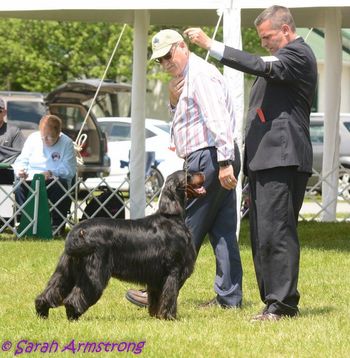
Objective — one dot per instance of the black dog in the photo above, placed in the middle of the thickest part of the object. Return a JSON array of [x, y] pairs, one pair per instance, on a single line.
[[156, 251]]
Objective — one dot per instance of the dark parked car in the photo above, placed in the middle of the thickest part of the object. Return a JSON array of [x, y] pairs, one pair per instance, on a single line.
[[70, 102], [24, 109]]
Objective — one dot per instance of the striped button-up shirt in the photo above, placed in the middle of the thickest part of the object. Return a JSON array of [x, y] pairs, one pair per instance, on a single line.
[[204, 116]]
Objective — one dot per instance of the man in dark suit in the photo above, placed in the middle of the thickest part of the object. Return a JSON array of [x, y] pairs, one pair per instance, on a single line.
[[278, 151]]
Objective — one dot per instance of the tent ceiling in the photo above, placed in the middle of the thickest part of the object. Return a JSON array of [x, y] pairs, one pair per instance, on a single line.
[[308, 16], [157, 17]]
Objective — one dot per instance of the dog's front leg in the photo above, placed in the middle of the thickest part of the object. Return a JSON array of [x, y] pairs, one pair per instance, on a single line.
[[168, 297]]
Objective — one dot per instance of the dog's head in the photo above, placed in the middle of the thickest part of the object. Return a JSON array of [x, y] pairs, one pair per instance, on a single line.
[[194, 185], [178, 187]]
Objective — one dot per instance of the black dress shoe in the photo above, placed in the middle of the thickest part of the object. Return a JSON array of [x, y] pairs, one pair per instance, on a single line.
[[214, 302], [266, 316], [137, 297]]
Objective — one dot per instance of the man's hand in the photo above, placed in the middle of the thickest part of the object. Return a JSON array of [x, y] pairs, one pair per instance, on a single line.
[[175, 89], [47, 174], [198, 37], [227, 178], [23, 174]]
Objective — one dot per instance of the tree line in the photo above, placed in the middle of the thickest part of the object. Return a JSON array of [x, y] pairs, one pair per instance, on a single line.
[[40, 55]]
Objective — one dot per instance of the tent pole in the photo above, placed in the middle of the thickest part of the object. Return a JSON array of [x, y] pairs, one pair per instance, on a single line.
[[232, 37], [138, 114], [333, 69]]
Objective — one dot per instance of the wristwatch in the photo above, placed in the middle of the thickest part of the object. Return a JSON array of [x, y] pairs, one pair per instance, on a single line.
[[224, 163]]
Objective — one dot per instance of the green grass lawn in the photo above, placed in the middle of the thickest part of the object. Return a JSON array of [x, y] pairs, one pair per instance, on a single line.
[[322, 330]]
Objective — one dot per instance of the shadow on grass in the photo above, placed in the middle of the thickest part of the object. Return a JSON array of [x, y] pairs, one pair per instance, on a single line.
[[10, 236], [13, 238], [198, 304], [316, 311], [325, 236], [313, 235]]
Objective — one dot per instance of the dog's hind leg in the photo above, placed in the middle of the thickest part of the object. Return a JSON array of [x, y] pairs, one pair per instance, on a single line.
[[58, 287], [168, 297], [93, 279]]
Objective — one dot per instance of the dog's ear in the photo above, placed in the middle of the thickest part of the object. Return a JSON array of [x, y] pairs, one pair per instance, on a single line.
[[167, 207], [169, 202]]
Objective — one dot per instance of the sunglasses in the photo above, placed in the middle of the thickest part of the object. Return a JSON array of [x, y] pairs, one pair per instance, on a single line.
[[49, 138], [1, 110], [167, 56]]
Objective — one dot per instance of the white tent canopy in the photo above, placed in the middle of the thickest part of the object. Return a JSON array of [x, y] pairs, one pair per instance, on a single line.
[[330, 15], [306, 13]]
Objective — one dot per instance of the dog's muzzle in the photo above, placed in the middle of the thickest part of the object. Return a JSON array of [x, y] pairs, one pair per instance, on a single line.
[[194, 187]]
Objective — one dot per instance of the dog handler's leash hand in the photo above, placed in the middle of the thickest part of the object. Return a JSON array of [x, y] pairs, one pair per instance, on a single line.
[[227, 178]]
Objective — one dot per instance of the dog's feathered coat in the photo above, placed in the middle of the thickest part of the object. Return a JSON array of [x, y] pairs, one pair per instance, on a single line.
[[156, 250]]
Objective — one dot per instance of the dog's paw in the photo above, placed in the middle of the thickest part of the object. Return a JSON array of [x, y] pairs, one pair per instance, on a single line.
[[72, 314], [42, 308], [166, 316], [43, 315]]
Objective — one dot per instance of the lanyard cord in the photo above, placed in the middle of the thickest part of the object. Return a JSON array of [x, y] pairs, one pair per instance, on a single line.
[[187, 111], [220, 13], [306, 37], [81, 138], [215, 31]]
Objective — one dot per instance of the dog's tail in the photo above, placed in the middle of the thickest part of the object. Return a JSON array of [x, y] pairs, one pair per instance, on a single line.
[[78, 243]]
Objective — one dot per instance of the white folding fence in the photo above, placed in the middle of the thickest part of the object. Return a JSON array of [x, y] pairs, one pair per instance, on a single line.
[[80, 195], [313, 207]]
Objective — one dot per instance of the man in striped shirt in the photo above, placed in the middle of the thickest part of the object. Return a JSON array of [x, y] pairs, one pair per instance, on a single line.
[[202, 131]]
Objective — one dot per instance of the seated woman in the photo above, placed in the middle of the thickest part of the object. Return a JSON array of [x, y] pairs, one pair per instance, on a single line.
[[51, 153]]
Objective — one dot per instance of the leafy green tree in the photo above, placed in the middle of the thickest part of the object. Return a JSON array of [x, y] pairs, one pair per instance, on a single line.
[[40, 55], [251, 42]]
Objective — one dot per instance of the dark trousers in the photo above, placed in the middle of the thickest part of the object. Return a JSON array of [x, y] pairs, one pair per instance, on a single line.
[[215, 214], [276, 198], [54, 194], [6, 176]]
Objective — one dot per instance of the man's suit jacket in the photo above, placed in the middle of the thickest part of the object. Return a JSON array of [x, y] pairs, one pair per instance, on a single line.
[[277, 132]]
